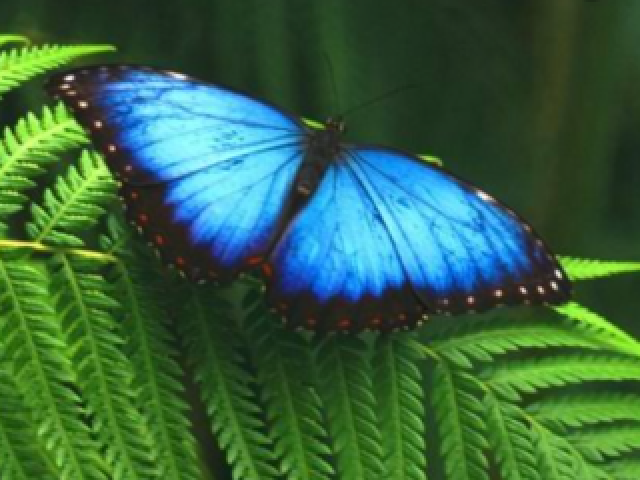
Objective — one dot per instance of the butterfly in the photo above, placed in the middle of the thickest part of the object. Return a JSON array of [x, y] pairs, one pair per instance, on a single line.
[[348, 237]]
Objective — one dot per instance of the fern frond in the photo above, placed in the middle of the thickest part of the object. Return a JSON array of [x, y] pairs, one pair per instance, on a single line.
[[456, 399], [212, 345], [75, 203], [150, 347], [532, 375], [345, 387], [313, 123], [19, 65], [624, 468], [104, 375], [400, 398], [6, 39], [559, 460], [33, 341], [483, 343], [282, 361], [599, 443], [431, 159], [585, 268], [20, 455], [598, 328], [579, 409], [510, 438], [26, 150]]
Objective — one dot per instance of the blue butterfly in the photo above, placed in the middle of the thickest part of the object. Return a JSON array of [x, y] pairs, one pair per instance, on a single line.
[[350, 236]]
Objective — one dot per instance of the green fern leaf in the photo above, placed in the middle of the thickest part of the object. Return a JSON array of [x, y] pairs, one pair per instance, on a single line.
[[582, 269], [485, 342], [28, 149], [282, 361], [510, 439], [75, 204], [579, 409], [313, 123], [598, 328], [398, 386], [149, 346], [345, 387], [624, 468], [33, 341], [532, 375], [599, 443], [104, 375], [456, 399], [212, 345], [6, 39], [18, 65], [559, 460], [20, 455]]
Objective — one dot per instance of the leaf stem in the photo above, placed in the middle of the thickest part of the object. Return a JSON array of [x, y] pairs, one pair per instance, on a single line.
[[39, 247]]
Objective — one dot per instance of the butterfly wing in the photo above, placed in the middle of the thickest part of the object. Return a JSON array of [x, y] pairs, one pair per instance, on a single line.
[[206, 172], [387, 238], [335, 266]]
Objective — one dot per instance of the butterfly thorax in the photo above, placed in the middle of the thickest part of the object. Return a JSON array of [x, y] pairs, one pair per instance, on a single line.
[[323, 146]]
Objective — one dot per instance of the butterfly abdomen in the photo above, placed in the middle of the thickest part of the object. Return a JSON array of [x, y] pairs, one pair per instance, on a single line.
[[323, 147]]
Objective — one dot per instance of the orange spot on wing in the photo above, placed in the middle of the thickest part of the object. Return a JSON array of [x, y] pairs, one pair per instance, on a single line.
[[267, 270], [143, 218], [159, 240], [255, 260], [180, 261], [344, 323]]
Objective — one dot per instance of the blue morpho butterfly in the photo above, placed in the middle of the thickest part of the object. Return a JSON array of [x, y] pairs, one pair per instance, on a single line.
[[350, 236]]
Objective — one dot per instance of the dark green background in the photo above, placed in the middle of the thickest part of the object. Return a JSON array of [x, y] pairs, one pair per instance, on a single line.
[[536, 101]]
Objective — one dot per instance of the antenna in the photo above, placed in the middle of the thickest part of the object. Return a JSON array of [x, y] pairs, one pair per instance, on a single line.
[[380, 97], [332, 79]]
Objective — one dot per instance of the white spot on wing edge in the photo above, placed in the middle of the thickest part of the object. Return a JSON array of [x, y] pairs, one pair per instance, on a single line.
[[485, 196], [69, 78], [178, 75]]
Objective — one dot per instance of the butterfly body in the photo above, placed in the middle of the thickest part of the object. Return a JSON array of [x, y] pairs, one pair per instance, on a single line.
[[323, 146], [349, 237]]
